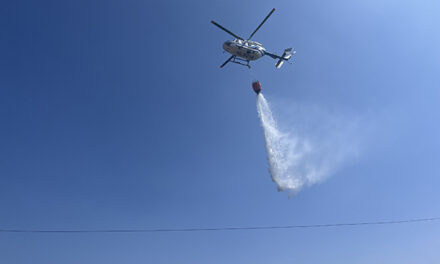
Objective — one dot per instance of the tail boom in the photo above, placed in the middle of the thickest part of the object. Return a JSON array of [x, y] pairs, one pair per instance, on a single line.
[[287, 54]]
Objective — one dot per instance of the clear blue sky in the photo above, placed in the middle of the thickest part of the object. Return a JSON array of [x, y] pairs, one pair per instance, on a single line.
[[114, 114]]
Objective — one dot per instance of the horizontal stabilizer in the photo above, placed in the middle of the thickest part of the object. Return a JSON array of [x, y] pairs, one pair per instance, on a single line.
[[287, 54], [279, 64]]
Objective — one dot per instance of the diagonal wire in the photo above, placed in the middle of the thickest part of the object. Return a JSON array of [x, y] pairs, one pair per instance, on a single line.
[[220, 228]]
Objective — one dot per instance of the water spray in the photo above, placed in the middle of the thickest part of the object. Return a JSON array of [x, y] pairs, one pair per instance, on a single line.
[[297, 159]]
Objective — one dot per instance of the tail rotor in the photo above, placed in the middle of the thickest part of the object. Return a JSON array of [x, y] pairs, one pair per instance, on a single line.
[[287, 54]]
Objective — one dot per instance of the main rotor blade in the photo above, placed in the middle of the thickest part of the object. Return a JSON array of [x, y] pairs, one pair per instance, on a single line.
[[253, 33], [221, 27], [230, 58]]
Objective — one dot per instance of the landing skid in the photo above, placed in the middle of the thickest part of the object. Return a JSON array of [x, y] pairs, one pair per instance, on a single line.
[[241, 62]]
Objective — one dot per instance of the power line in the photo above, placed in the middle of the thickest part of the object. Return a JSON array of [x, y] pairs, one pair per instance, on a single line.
[[219, 228]]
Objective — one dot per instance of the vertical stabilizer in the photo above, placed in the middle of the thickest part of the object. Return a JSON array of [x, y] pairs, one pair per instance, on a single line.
[[287, 54]]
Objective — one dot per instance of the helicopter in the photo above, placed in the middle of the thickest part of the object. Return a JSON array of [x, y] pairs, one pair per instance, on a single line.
[[245, 50]]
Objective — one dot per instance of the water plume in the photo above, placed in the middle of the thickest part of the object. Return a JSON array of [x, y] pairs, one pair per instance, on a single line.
[[298, 159]]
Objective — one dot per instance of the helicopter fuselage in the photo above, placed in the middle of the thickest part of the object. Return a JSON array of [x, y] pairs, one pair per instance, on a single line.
[[245, 50], [248, 50]]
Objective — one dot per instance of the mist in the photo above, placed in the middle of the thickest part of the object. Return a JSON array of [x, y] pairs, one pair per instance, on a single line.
[[308, 146]]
